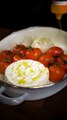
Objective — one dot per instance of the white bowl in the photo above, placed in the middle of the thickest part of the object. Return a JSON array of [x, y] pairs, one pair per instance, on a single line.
[[58, 37]]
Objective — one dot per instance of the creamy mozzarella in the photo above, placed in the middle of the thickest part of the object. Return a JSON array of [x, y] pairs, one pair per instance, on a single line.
[[27, 73], [43, 43]]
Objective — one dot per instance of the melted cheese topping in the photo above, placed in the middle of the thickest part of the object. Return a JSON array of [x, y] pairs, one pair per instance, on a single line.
[[27, 73]]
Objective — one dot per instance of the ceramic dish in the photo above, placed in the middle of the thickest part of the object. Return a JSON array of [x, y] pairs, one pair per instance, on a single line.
[[19, 94]]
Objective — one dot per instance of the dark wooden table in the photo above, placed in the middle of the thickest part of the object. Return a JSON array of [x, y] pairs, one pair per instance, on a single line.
[[54, 107]]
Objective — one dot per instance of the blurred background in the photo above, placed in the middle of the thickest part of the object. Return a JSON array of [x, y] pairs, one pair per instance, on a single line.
[[19, 14]]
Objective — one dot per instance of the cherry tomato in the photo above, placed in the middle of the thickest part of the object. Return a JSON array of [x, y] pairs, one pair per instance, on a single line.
[[3, 66], [64, 66], [64, 58], [18, 47], [59, 60], [55, 51], [8, 52], [6, 56], [46, 59], [56, 73], [17, 57], [22, 52], [33, 53], [29, 54]]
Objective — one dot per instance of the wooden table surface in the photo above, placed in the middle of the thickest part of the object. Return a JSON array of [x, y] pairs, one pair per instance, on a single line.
[[54, 107]]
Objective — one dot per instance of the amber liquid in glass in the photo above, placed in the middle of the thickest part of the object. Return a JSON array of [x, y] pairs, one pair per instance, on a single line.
[[59, 8]]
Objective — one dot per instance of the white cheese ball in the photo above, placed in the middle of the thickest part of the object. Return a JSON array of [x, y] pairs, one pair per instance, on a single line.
[[27, 73], [42, 43]]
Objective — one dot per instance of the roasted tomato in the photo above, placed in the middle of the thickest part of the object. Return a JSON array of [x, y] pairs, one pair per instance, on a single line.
[[3, 66], [64, 66], [59, 61], [17, 57], [56, 73], [55, 51], [22, 52], [46, 59], [33, 53], [64, 58], [6, 56], [18, 47]]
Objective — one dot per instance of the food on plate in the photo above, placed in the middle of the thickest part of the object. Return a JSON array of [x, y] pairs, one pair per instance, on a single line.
[[46, 59], [43, 43], [41, 52], [5, 55], [19, 47], [33, 53], [64, 58], [3, 66], [55, 51], [27, 73], [64, 66], [56, 73], [18, 56]]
